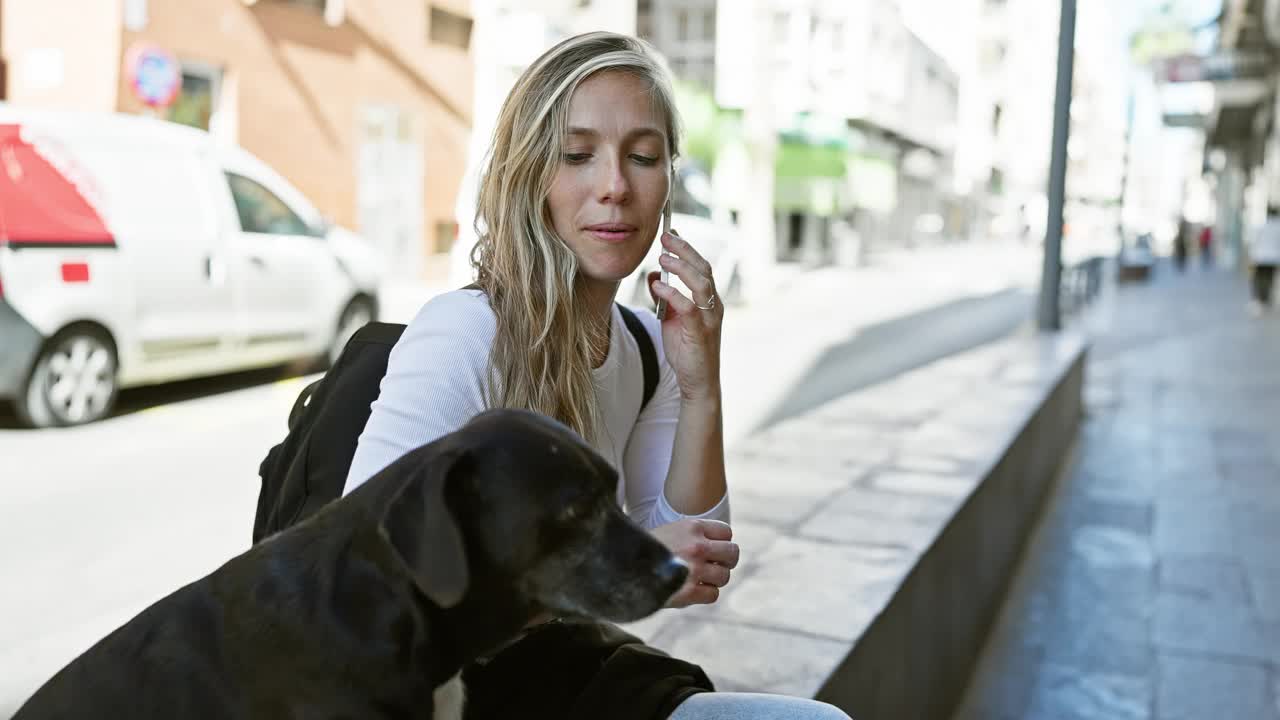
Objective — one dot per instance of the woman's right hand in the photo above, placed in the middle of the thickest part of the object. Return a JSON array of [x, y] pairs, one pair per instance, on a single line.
[[707, 547]]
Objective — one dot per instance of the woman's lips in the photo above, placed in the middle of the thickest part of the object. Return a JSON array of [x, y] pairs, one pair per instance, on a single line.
[[611, 232]]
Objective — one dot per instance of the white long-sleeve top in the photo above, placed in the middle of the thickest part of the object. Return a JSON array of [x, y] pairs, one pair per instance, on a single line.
[[1265, 248], [435, 383]]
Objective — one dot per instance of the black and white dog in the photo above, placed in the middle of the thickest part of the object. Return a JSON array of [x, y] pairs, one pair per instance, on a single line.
[[365, 609]]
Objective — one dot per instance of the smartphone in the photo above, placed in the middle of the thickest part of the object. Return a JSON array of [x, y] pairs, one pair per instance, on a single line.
[[661, 309]]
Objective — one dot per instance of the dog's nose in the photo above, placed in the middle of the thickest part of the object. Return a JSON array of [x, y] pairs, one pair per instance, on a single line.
[[672, 573]]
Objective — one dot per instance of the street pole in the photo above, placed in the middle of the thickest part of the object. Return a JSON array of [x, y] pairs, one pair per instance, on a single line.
[[1051, 278], [1124, 167], [760, 257]]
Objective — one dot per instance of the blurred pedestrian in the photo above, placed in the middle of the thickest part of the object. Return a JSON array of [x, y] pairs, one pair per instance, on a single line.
[[1206, 245], [1264, 253], [1180, 244]]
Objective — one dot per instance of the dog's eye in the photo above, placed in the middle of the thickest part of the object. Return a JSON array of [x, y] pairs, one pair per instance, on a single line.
[[574, 511]]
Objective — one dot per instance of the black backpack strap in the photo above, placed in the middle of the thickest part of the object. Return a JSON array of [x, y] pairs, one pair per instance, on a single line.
[[648, 355]]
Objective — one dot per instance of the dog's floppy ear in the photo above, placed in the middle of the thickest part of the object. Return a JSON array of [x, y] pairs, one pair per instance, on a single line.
[[421, 529]]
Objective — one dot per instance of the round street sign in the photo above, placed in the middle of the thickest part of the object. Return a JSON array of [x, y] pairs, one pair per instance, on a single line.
[[154, 74]]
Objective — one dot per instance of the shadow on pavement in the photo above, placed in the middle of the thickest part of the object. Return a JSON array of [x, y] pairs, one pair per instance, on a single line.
[[142, 398], [880, 352]]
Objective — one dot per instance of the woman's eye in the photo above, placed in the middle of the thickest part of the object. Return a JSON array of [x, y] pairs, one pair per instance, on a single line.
[[576, 158], [645, 159]]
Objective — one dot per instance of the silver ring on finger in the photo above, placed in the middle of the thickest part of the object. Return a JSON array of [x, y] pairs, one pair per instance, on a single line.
[[711, 303]]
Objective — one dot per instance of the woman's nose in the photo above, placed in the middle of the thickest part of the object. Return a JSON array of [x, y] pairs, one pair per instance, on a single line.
[[614, 186]]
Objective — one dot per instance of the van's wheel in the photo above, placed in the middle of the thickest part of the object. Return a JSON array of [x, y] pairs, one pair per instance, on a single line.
[[73, 381], [357, 314]]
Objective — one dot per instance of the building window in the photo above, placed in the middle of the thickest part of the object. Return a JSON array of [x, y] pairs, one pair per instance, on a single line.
[[447, 28], [317, 5], [135, 15], [644, 19], [682, 26], [709, 25], [781, 28], [198, 98], [446, 235]]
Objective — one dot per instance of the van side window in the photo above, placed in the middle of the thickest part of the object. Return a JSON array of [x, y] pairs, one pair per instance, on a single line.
[[261, 211]]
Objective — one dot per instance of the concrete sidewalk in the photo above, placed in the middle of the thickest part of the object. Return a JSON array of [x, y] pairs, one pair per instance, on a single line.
[[1151, 588]]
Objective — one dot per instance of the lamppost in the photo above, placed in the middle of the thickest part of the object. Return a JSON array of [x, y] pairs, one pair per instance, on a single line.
[[1050, 316]]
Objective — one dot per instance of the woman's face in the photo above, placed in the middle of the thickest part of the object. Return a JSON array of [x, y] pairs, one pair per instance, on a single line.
[[607, 195]]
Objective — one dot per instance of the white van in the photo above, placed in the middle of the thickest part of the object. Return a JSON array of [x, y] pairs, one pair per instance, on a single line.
[[137, 251]]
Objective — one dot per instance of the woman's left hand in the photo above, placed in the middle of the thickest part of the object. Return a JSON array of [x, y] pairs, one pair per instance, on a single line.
[[691, 328]]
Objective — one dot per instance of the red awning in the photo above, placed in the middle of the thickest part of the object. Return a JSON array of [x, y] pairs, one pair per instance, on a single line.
[[38, 204]]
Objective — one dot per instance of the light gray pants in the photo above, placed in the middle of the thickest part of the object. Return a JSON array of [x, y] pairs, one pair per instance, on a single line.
[[754, 706]]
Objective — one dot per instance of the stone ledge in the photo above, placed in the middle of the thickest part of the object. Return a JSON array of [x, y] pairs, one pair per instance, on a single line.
[[879, 530]]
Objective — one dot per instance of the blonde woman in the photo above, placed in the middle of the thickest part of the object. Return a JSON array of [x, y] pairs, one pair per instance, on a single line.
[[569, 204]]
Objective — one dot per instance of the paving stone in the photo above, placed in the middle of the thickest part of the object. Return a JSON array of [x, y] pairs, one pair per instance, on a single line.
[[949, 440], [1258, 554], [1193, 527], [1252, 469], [1067, 693], [755, 658], [1107, 486], [878, 412], [1256, 524], [1275, 690], [1231, 444], [951, 486], [1135, 437], [1189, 623], [1106, 639], [1271, 634], [870, 517], [1264, 586], [1254, 493], [823, 447], [1195, 687], [754, 541], [1218, 579], [1103, 546], [823, 589], [770, 493], [1100, 619], [1134, 517], [934, 465], [1191, 483]]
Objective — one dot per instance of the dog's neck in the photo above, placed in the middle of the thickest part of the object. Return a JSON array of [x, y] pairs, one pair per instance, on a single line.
[[484, 621]]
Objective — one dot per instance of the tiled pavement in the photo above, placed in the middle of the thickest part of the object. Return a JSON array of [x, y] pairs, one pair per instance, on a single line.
[[1151, 588]]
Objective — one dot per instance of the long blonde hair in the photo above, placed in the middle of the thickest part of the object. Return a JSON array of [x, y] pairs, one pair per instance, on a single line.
[[541, 356]]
